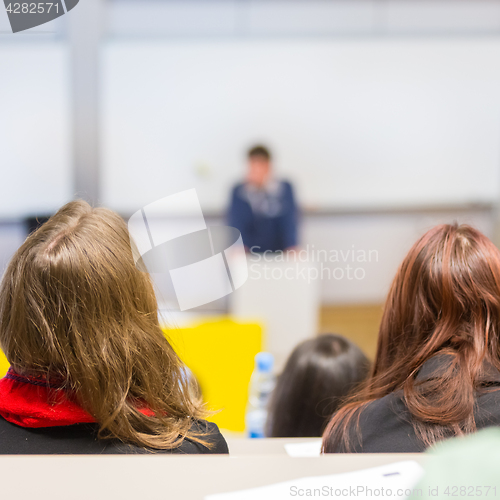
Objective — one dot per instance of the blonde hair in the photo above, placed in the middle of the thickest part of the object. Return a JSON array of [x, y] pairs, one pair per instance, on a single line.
[[73, 306]]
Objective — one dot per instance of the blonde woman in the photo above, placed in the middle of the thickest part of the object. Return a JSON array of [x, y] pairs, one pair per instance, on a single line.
[[91, 371]]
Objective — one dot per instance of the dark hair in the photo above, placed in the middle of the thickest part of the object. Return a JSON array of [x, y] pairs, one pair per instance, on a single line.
[[444, 299], [259, 151], [319, 373]]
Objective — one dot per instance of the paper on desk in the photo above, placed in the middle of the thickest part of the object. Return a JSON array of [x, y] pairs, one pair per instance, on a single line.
[[308, 449], [397, 481]]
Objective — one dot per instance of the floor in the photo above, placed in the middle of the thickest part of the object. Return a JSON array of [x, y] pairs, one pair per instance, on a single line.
[[359, 323]]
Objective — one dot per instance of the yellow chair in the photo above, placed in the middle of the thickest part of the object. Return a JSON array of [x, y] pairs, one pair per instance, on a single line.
[[4, 364], [221, 353]]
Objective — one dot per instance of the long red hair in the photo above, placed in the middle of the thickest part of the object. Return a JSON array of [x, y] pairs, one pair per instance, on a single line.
[[445, 298]]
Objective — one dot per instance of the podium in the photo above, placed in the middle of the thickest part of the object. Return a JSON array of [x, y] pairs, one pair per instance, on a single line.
[[282, 294]]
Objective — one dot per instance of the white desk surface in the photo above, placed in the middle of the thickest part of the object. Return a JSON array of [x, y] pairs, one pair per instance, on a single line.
[[268, 446], [188, 477]]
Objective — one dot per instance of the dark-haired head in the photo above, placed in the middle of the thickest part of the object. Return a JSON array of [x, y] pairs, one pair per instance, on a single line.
[[319, 373], [445, 299], [259, 166], [259, 151]]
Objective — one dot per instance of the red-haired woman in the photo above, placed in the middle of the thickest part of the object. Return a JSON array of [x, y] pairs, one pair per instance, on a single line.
[[437, 368]]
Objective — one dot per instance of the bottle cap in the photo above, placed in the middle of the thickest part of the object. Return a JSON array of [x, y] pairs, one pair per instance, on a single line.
[[264, 362]]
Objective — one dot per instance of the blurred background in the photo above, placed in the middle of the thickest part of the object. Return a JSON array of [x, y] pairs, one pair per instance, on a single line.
[[383, 114]]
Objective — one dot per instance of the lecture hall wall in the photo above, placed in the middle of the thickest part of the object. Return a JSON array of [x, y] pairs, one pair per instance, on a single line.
[[390, 233]]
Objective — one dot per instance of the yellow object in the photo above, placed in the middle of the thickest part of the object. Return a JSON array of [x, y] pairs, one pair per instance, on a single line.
[[4, 364], [221, 354]]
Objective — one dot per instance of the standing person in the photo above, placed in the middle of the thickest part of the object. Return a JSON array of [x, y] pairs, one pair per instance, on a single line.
[[263, 208], [437, 368], [91, 370]]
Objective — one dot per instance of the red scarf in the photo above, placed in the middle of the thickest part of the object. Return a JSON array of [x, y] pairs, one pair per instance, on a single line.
[[39, 402]]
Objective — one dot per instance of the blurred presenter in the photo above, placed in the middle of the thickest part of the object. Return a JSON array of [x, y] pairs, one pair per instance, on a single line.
[[263, 208]]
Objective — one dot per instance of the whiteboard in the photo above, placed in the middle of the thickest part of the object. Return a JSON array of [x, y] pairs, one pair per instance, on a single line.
[[354, 123], [35, 133]]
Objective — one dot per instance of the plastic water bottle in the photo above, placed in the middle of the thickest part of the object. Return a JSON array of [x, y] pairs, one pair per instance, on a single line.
[[262, 384]]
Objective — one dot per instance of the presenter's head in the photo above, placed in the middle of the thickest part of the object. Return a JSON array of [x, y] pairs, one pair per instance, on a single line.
[[259, 166]]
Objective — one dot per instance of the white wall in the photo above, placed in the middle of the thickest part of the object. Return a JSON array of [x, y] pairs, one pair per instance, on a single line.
[[354, 123], [198, 18], [35, 136], [205, 19], [390, 235], [12, 236]]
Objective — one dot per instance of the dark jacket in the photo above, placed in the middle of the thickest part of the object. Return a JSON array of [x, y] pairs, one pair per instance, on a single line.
[[82, 439], [272, 231], [385, 425]]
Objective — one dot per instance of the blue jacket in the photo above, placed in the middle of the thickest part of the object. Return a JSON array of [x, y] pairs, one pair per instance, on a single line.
[[273, 229]]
